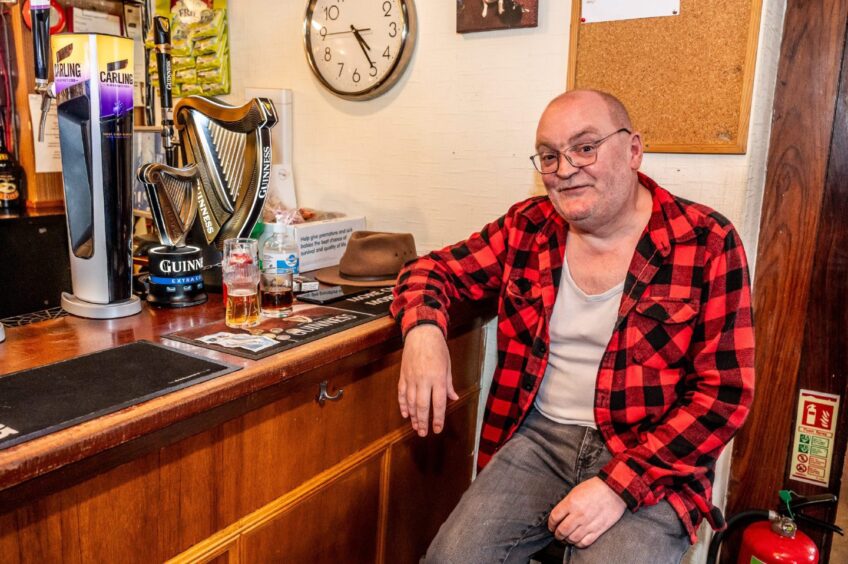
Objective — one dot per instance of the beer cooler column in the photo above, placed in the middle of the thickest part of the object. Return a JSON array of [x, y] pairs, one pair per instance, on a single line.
[[94, 92]]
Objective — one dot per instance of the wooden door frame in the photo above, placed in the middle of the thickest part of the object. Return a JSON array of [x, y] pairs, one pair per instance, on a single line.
[[800, 302]]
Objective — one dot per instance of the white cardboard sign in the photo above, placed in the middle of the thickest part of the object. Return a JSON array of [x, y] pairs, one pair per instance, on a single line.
[[593, 11]]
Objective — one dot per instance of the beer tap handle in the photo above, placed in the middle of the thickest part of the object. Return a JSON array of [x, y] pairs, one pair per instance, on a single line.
[[162, 41], [40, 16], [46, 98]]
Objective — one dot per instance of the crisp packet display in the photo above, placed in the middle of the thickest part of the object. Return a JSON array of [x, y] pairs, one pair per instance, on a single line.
[[199, 49], [181, 47], [186, 76], [206, 46], [211, 25], [216, 59], [213, 75], [180, 63], [190, 89]]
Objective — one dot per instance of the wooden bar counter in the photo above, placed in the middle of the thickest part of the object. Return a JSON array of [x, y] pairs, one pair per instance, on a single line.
[[247, 467]]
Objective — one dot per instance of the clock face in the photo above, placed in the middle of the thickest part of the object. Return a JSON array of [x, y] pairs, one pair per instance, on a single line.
[[359, 48]]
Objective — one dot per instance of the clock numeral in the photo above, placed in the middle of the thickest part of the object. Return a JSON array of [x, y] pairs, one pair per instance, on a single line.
[[386, 53], [328, 56], [341, 68], [356, 76], [393, 27], [331, 12], [373, 71], [323, 33], [387, 9]]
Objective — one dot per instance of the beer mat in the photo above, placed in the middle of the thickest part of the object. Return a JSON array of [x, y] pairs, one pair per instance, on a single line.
[[306, 323], [27, 318], [49, 398]]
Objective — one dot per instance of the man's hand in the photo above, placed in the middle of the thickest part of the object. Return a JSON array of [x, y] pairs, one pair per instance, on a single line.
[[586, 513], [425, 371]]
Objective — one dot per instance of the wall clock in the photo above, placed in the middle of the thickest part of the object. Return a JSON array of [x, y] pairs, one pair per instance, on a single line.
[[358, 49]]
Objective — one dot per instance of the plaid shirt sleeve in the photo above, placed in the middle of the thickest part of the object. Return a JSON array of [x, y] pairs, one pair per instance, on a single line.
[[679, 453], [471, 269]]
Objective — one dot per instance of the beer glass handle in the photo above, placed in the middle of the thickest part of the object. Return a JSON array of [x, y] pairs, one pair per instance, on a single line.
[[324, 396]]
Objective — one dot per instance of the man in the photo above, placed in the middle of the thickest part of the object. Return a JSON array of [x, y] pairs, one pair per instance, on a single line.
[[625, 354]]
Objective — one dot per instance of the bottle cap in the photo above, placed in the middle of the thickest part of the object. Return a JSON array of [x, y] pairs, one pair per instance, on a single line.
[[279, 227]]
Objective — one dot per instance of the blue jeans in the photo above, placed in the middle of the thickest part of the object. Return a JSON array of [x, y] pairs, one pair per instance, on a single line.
[[504, 514]]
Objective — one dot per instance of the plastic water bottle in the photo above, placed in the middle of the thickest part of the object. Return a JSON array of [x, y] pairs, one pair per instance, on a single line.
[[280, 250]]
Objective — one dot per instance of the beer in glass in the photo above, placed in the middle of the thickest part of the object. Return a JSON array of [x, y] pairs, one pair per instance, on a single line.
[[240, 268]]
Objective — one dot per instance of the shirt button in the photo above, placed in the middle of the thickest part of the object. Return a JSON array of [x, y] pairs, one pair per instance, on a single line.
[[539, 347], [527, 382]]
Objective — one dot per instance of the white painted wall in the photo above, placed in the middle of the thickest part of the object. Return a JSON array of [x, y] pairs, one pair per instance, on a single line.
[[445, 151]]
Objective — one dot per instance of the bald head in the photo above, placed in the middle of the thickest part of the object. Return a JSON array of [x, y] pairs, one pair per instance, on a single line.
[[615, 109]]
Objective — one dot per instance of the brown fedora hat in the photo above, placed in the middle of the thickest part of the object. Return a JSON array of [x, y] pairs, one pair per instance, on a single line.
[[371, 258]]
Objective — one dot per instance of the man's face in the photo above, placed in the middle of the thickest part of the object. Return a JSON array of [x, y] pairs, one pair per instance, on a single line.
[[596, 194]]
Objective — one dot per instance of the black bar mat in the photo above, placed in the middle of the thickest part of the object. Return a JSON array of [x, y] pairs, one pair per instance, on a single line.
[[306, 324], [43, 400]]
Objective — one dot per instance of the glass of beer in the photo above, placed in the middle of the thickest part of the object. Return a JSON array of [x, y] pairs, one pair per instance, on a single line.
[[240, 268], [275, 287]]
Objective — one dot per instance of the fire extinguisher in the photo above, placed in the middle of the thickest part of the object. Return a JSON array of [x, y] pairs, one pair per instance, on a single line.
[[774, 537]]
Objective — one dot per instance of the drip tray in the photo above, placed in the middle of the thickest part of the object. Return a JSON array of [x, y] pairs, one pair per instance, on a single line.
[[46, 399]]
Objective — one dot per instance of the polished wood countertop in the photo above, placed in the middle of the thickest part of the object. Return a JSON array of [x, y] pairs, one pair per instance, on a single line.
[[60, 339]]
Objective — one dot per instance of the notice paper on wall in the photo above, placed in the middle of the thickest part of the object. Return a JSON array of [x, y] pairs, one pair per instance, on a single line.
[[133, 24], [593, 11], [92, 21], [815, 429], [47, 156]]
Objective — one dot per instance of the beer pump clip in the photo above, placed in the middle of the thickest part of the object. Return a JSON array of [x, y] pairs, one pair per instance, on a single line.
[[175, 269]]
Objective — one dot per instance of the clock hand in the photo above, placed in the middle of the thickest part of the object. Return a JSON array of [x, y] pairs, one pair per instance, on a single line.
[[359, 36], [342, 32], [362, 45]]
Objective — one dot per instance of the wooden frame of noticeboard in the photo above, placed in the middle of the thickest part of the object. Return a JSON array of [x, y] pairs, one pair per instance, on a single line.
[[687, 80]]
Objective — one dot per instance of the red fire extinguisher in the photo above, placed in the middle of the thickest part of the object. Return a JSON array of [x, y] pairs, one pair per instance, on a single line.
[[777, 541], [774, 537]]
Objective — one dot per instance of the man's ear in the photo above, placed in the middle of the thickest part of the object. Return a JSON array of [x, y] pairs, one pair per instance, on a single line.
[[636, 150]]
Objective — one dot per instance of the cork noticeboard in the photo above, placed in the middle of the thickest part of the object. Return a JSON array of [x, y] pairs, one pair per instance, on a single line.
[[687, 80]]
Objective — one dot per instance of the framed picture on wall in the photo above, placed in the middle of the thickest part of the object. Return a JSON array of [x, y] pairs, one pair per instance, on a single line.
[[487, 15]]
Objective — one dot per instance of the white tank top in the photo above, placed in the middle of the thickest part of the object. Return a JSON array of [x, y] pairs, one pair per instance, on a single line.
[[580, 329]]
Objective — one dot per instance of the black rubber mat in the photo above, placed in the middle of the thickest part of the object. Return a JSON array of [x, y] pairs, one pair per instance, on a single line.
[[42, 400]]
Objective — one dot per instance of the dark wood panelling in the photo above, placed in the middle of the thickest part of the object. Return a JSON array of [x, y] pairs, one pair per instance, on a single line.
[[824, 360], [335, 525], [418, 507], [804, 106], [189, 477]]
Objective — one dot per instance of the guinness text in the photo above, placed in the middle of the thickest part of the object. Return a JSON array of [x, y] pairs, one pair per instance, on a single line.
[[168, 266]]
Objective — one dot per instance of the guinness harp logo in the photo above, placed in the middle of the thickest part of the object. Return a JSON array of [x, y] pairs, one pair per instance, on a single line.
[[232, 148], [172, 193]]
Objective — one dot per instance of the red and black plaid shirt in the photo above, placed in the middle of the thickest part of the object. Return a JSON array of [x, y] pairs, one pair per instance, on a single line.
[[677, 378]]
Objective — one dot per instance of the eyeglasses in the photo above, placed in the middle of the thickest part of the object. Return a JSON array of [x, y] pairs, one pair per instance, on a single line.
[[580, 155]]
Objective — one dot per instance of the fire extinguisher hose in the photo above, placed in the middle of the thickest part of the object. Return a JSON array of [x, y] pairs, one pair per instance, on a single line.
[[732, 523]]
